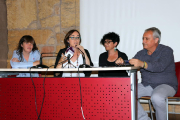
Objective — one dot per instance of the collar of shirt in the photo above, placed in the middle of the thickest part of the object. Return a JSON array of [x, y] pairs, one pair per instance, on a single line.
[[29, 56], [157, 49]]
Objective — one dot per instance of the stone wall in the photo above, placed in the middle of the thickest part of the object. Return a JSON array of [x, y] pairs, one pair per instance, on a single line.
[[46, 20], [3, 34]]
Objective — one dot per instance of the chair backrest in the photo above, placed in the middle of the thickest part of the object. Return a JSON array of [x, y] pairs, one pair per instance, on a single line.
[[177, 64]]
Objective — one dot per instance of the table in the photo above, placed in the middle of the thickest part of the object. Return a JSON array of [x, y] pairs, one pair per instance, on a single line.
[[102, 98]]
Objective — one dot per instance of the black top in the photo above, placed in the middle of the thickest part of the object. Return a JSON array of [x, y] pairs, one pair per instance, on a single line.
[[103, 62], [87, 73]]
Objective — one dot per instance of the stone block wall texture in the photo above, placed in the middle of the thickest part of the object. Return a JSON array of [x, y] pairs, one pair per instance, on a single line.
[[46, 20], [3, 34]]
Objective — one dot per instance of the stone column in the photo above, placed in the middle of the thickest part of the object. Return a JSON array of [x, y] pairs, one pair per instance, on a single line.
[[3, 34]]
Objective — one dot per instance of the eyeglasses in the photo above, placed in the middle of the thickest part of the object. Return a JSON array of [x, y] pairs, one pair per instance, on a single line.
[[108, 42], [74, 38]]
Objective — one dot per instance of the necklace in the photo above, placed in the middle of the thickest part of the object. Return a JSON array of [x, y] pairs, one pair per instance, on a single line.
[[74, 66], [77, 59], [77, 64]]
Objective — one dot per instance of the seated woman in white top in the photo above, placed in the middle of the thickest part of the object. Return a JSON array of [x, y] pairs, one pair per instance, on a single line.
[[73, 39], [26, 55]]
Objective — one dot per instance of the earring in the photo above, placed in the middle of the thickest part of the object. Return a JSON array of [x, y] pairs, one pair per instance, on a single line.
[[115, 49], [68, 44]]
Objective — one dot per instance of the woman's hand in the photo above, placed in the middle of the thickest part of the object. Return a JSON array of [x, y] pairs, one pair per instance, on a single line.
[[15, 60], [36, 63], [84, 53], [119, 61], [81, 48], [61, 61]]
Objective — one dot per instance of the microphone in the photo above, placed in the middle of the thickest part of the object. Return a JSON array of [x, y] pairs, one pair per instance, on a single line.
[[84, 65], [69, 52], [68, 57]]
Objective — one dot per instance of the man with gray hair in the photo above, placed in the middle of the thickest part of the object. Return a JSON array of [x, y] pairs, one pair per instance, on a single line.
[[157, 71]]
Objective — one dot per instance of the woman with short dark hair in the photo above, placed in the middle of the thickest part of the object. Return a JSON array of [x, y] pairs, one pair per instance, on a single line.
[[112, 56]]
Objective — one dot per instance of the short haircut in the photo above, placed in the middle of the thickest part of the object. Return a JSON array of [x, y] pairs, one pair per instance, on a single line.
[[156, 33], [111, 36]]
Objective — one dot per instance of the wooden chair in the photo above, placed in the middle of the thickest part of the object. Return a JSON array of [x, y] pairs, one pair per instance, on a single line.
[[149, 102], [176, 96]]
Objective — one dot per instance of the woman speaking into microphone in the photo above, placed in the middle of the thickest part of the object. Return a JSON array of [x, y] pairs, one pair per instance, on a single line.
[[74, 58]]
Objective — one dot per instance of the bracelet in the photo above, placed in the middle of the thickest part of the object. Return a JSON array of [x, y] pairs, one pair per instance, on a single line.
[[144, 64]]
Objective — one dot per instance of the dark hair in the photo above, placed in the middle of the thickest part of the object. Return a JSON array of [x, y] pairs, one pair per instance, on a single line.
[[27, 39], [156, 33], [111, 36], [66, 38]]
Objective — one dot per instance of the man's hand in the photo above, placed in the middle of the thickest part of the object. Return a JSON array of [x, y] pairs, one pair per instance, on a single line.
[[136, 63]]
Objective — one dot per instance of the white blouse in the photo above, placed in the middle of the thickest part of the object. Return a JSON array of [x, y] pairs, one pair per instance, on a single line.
[[72, 64]]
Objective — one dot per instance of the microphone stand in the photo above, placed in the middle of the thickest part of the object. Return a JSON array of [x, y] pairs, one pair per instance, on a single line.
[[69, 62], [41, 65], [84, 65]]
